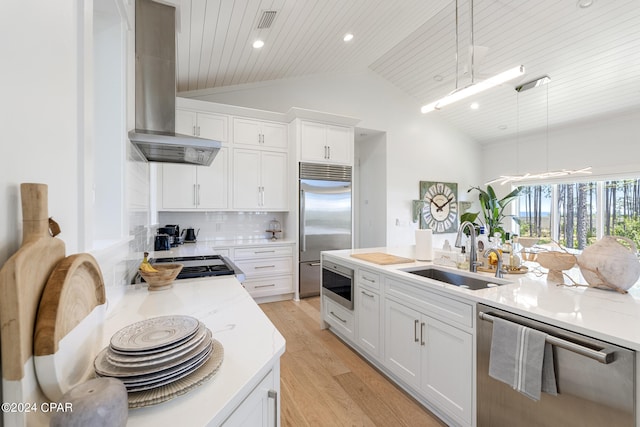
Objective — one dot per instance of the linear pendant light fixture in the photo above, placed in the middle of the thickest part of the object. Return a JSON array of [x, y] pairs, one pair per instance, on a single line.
[[473, 88]]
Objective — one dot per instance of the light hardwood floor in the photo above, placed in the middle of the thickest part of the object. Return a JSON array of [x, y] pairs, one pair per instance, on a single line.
[[325, 383]]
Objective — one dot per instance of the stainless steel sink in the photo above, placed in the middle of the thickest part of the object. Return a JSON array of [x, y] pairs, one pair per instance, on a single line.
[[461, 280]]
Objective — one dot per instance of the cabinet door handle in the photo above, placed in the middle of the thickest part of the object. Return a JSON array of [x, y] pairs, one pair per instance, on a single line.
[[264, 266], [264, 252], [422, 333], [194, 131], [366, 294], [325, 152], [415, 330], [195, 197], [337, 317], [328, 151], [265, 286], [273, 394], [368, 280], [198, 134], [198, 193]]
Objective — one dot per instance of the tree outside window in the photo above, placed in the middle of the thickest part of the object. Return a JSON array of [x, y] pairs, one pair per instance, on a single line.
[[622, 209], [535, 212]]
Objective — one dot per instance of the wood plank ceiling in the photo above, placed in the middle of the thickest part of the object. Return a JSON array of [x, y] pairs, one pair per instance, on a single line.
[[591, 54]]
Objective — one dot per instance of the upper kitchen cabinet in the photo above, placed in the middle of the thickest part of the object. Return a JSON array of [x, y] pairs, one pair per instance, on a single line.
[[260, 133], [325, 143], [188, 187], [260, 180], [203, 125]]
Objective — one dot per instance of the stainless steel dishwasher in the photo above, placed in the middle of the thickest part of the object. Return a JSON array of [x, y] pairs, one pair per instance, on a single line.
[[596, 381]]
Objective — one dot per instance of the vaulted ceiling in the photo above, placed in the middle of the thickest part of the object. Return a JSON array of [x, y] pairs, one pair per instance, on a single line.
[[590, 49]]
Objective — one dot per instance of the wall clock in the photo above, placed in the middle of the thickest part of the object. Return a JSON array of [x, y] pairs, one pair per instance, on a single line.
[[440, 211]]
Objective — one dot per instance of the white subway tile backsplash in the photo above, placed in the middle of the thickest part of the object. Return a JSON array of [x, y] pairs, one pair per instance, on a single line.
[[223, 225]]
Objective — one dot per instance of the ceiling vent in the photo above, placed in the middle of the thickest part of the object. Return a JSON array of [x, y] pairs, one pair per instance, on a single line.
[[266, 19]]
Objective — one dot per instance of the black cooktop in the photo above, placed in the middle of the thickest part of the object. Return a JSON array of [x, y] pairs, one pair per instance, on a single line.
[[200, 266]]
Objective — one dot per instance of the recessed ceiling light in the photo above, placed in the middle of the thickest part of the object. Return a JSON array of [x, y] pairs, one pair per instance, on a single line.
[[438, 78], [474, 105], [258, 44], [502, 127], [583, 4], [348, 37]]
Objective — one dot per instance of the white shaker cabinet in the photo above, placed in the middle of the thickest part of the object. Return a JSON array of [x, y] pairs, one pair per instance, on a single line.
[[402, 342], [368, 312], [325, 143], [189, 187], [203, 125], [268, 270], [260, 180], [261, 408], [260, 133]]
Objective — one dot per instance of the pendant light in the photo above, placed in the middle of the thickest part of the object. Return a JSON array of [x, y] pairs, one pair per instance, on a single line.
[[504, 179], [473, 88]]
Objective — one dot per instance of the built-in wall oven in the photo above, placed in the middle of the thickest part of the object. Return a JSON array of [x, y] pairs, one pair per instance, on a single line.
[[595, 381], [337, 283]]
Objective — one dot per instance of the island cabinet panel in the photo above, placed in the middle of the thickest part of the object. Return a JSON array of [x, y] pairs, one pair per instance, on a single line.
[[402, 342], [260, 408], [369, 319], [447, 369]]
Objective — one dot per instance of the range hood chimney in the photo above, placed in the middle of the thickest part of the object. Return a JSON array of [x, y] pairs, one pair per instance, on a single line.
[[154, 135]]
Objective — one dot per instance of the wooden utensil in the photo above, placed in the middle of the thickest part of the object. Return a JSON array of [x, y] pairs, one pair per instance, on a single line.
[[22, 280], [68, 328]]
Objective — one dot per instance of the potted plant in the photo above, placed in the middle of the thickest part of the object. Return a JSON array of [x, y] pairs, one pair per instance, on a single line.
[[493, 209]]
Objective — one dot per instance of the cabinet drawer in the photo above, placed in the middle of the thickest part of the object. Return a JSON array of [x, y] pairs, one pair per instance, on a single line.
[[369, 279], [269, 286], [262, 267], [338, 317], [433, 304], [262, 252]]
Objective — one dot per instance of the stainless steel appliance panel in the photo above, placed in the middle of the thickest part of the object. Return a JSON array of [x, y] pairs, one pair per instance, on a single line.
[[590, 392], [309, 274], [325, 218], [337, 283]]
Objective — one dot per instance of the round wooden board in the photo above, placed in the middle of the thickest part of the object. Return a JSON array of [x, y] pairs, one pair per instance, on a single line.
[[74, 289]]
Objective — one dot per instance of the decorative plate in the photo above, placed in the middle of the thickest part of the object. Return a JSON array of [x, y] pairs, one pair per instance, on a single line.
[[135, 360], [154, 333], [104, 367], [181, 386]]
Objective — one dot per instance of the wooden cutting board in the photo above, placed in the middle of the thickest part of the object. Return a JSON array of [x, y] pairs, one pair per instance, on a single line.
[[67, 331], [22, 280], [382, 258]]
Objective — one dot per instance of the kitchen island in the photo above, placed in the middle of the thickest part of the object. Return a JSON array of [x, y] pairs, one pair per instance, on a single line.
[[423, 333], [252, 349]]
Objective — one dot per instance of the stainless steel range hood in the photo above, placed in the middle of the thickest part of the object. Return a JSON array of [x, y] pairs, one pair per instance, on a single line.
[[154, 135]]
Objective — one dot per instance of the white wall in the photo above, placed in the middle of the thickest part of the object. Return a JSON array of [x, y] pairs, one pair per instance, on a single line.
[[39, 114], [610, 145], [419, 147]]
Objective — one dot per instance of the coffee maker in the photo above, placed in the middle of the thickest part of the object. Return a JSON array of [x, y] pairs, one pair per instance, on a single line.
[[173, 231]]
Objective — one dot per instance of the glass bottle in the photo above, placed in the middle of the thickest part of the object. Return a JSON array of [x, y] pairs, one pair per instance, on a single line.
[[463, 261]]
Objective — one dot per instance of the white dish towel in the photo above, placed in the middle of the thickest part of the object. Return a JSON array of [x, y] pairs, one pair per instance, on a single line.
[[521, 358]]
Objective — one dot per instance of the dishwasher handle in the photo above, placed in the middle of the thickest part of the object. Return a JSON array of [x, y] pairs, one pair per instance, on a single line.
[[603, 356]]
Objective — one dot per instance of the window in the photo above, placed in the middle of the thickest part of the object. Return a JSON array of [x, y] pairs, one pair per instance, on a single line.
[[577, 214], [535, 212]]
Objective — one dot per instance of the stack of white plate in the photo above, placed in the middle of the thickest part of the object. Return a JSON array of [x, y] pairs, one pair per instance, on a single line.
[[157, 353]]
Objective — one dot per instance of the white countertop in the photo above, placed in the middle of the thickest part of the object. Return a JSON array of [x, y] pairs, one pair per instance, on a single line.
[[603, 314], [251, 345], [209, 247]]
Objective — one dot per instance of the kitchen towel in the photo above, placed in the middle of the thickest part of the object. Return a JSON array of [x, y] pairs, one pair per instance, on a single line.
[[424, 246], [521, 358]]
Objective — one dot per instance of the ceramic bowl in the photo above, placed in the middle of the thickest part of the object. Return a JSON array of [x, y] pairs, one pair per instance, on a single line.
[[556, 260], [528, 242]]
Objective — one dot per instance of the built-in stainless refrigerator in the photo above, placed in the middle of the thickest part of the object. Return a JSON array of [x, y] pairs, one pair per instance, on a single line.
[[325, 219]]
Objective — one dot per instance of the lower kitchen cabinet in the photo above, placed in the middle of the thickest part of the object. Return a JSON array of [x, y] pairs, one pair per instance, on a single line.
[[368, 317], [261, 408], [268, 269], [339, 317], [431, 356], [447, 369]]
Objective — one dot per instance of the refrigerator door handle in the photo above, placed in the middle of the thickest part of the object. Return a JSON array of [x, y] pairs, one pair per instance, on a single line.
[[303, 239]]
